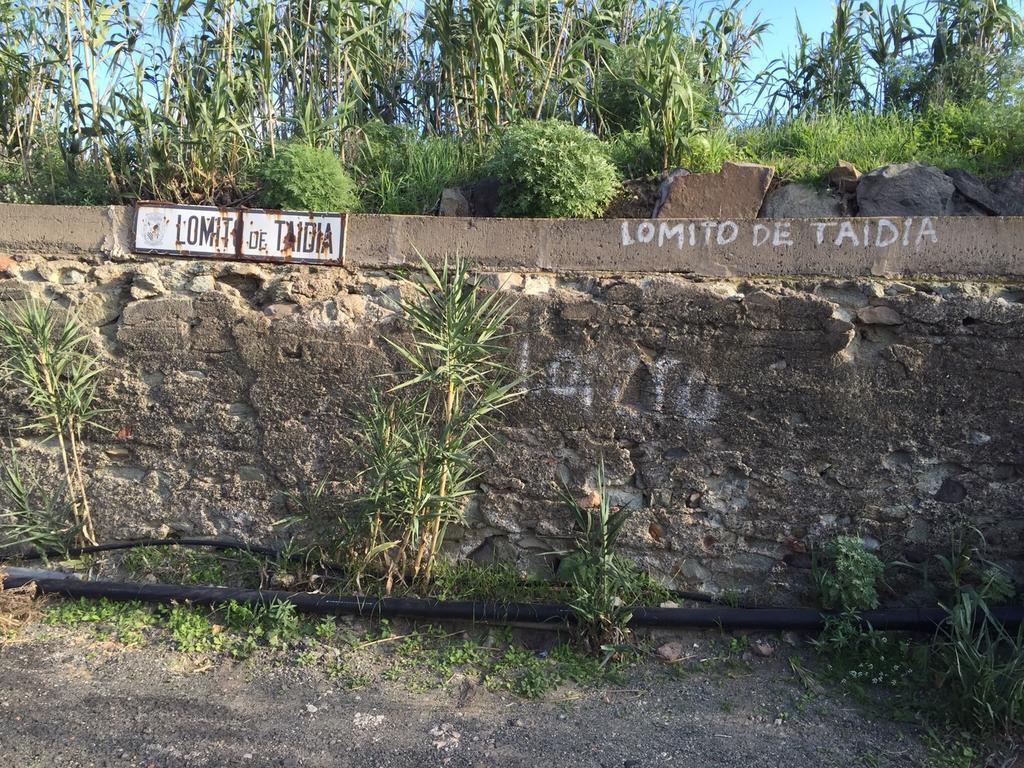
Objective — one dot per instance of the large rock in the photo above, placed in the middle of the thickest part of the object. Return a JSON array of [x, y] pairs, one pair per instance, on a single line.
[[973, 192], [484, 196], [1009, 191], [736, 192], [453, 203], [906, 189], [795, 201]]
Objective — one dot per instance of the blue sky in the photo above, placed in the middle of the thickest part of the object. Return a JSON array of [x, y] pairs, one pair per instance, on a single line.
[[781, 37]]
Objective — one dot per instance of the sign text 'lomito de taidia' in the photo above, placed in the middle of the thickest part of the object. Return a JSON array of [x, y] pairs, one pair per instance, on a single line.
[[251, 235]]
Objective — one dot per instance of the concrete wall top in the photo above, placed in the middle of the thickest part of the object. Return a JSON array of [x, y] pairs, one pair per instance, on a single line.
[[947, 247]]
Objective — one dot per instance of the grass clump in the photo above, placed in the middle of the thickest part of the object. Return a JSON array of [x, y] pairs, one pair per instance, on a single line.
[[182, 565], [985, 139], [402, 172], [494, 581], [982, 664], [304, 178], [551, 168]]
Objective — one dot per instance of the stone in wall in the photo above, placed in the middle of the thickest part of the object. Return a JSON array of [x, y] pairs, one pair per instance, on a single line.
[[844, 177]]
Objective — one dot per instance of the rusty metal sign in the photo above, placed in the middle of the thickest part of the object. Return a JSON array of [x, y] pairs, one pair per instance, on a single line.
[[244, 234]]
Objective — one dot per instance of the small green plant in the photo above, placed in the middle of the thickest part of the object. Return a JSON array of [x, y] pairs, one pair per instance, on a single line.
[[191, 631], [49, 359], [605, 588], [303, 178], [552, 168], [849, 581], [125, 622], [862, 657]]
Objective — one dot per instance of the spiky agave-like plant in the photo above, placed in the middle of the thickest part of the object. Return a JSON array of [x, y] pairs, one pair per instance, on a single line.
[[48, 357]]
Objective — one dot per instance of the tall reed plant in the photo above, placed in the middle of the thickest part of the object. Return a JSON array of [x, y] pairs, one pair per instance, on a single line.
[[426, 433], [46, 355]]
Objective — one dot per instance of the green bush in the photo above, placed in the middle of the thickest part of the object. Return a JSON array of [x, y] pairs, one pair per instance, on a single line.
[[303, 178], [551, 168], [848, 583]]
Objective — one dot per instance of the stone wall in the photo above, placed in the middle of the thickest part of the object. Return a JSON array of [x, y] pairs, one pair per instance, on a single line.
[[743, 419]]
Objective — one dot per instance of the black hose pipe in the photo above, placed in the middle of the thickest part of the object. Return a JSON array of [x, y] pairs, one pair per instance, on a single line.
[[188, 541], [905, 619], [270, 552]]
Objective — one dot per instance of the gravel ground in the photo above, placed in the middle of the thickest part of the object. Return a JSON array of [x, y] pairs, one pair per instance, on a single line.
[[69, 699]]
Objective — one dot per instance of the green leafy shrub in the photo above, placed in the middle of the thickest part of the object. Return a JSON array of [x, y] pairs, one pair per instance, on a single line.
[[551, 168], [303, 178], [50, 180], [849, 581]]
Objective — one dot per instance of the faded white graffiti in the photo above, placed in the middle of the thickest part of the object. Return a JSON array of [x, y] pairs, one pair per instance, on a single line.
[[674, 391], [565, 377], [855, 233], [692, 396]]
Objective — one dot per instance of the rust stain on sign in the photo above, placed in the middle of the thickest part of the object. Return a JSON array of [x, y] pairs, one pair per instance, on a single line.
[[242, 234]]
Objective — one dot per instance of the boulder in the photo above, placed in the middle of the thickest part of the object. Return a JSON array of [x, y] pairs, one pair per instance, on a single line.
[[453, 203], [484, 196], [1009, 192], [736, 192], [794, 201], [844, 176], [973, 194], [906, 189]]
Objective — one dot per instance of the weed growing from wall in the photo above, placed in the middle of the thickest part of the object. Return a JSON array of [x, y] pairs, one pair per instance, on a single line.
[[604, 586], [849, 580], [425, 434], [47, 356], [30, 514]]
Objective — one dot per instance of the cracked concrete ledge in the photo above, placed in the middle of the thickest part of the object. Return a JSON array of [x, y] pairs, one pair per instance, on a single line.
[[946, 247]]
